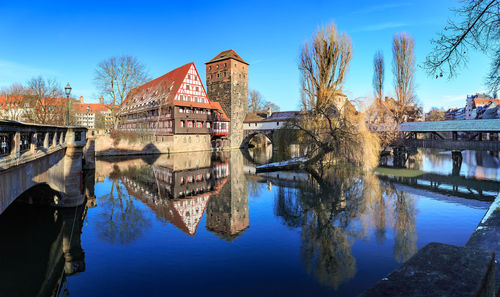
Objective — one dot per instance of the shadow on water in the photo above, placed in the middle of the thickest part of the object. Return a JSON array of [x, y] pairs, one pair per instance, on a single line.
[[41, 247]]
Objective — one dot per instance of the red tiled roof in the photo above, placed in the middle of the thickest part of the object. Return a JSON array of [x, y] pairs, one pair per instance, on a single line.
[[228, 54], [164, 87], [216, 105], [17, 100], [93, 108]]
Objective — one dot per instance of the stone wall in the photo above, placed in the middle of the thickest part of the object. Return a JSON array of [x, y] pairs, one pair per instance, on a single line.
[[106, 146], [227, 83]]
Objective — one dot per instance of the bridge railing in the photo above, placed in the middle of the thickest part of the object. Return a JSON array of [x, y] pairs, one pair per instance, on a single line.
[[18, 140]]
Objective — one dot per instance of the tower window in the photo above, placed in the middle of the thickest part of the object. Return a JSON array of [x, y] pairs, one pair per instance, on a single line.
[[209, 67], [217, 66], [225, 64]]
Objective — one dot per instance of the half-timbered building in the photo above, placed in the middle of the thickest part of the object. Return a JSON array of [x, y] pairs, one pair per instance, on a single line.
[[173, 104]]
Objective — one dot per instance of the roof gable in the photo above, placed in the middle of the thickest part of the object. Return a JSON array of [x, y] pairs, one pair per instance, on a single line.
[[162, 88]]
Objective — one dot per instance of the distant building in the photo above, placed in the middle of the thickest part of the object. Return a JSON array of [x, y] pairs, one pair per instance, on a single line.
[[93, 115], [268, 120], [481, 106]]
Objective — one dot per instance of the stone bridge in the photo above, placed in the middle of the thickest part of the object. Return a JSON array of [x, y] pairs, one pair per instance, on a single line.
[[265, 124], [33, 155], [249, 134]]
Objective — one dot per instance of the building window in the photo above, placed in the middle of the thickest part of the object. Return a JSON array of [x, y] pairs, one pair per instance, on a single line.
[[197, 88], [225, 64], [182, 124], [217, 66], [277, 123], [209, 68], [187, 87], [182, 98], [190, 124], [181, 110], [217, 75], [208, 124]]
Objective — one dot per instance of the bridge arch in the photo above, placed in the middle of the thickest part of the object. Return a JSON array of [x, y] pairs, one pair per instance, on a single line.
[[32, 155], [251, 134]]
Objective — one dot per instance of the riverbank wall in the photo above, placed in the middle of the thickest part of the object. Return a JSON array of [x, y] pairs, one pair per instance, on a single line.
[[105, 145]]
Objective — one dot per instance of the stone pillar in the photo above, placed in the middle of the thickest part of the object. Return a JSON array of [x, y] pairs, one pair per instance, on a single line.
[[399, 156], [457, 162], [72, 194]]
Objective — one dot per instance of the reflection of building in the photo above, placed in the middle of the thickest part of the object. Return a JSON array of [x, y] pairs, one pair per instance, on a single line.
[[178, 196], [227, 211]]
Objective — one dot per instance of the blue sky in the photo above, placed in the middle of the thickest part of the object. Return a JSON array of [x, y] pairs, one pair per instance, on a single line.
[[66, 40]]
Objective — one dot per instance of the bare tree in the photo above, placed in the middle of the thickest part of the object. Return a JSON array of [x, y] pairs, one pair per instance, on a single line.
[[13, 102], [256, 103], [116, 77], [47, 99], [379, 116], [329, 124], [403, 68], [477, 27], [378, 75]]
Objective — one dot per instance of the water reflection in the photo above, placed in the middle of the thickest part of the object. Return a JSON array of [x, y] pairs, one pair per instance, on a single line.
[[281, 225], [41, 247], [334, 212]]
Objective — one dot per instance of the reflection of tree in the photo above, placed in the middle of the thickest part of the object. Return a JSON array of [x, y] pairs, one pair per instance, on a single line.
[[122, 221], [324, 209], [328, 210], [405, 233]]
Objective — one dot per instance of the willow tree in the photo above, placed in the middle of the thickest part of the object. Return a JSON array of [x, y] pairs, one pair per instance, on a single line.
[[329, 125]]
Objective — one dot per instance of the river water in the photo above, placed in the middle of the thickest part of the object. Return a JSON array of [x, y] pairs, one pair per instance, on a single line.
[[204, 224]]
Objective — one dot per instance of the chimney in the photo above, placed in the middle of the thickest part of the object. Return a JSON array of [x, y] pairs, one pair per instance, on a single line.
[[81, 99], [101, 100], [269, 112]]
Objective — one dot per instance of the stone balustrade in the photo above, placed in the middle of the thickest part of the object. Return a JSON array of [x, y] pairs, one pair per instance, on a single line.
[[33, 154]]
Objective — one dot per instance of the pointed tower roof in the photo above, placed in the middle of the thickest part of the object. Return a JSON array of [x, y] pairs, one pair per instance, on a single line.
[[228, 54]]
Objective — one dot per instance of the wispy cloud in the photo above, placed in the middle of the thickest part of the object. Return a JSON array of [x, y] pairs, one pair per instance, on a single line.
[[15, 72], [381, 26], [382, 7]]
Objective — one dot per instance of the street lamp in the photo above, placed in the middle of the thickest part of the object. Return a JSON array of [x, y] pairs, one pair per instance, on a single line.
[[67, 90]]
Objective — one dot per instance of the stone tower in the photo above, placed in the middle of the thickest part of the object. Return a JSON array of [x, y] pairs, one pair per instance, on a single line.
[[227, 83]]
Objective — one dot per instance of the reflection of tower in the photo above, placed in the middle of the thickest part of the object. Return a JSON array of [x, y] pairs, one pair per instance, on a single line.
[[227, 211], [227, 83]]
